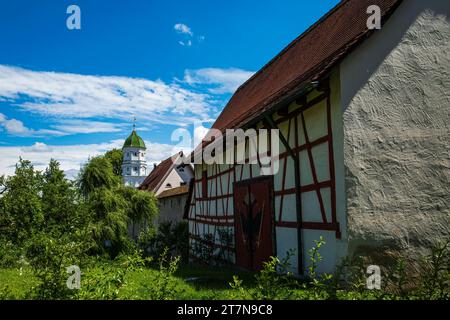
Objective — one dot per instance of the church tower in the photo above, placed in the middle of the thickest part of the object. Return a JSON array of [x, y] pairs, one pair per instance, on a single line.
[[134, 165]]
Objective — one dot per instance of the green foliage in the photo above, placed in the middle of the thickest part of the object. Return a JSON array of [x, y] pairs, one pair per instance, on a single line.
[[163, 286], [142, 208], [21, 211], [226, 239], [319, 283], [49, 257], [10, 255], [59, 200], [106, 280], [169, 236], [115, 157], [202, 249], [108, 225], [6, 293], [97, 173], [435, 270], [273, 282]]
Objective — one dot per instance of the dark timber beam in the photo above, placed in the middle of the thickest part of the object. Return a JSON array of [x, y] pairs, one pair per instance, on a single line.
[[298, 204]]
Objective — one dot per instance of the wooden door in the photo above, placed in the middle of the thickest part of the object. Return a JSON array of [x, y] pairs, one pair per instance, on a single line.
[[253, 222]]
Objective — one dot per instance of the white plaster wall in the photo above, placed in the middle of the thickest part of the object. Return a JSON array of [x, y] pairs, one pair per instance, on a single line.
[[130, 176], [173, 178], [172, 208], [396, 102]]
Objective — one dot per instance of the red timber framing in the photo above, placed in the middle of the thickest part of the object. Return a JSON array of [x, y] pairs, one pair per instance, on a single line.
[[204, 214]]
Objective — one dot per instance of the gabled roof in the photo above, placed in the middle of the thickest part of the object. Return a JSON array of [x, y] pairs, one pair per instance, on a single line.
[[159, 174], [134, 141], [306, 59]]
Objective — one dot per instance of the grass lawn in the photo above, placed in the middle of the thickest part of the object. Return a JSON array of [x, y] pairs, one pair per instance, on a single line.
[[191, 282]]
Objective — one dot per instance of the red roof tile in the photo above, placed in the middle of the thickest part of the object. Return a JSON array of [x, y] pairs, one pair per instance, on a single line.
[[305, 59]]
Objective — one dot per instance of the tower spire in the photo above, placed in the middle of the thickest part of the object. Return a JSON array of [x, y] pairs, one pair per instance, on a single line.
[[134, 123]]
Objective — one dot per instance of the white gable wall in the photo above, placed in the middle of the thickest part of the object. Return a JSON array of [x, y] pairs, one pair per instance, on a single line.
[[395, 99]]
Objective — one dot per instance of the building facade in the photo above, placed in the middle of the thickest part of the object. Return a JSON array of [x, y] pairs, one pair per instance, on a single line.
[[364, 135], [169, 181], [171, 204]]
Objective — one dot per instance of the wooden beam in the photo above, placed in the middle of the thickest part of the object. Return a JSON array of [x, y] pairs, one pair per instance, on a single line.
[[298, 204]]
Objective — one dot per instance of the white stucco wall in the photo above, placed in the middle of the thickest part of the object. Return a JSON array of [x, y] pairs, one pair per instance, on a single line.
[[175, 178], [171, 208], [134, 158], [396, 110]]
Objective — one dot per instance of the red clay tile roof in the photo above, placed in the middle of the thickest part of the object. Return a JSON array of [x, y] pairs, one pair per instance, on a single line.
[[174, 192], [306, 59], [158, 174]]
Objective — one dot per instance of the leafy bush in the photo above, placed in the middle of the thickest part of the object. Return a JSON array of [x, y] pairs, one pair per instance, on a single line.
[[104, 280], [49, 257], [203, 250], [10, 255], [274, 281], [170, 237], [435, 271], [164, 287]]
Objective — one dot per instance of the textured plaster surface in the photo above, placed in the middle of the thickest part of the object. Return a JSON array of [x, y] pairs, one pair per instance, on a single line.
[[396, 118]]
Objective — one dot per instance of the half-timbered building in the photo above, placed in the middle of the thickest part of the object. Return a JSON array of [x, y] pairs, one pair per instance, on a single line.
[[363, 143]]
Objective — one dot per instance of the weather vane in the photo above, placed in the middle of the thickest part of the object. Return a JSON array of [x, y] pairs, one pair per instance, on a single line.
[[134, 122]]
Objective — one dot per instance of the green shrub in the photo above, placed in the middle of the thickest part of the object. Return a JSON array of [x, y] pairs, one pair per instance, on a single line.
[[435, 271], [273, 282], [163, 286], [169, 236], [49, 257]]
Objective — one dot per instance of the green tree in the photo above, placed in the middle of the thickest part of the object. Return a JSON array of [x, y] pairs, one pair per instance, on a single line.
[[97, 173], [108, 221], [115, 157], [58, 198], [21, 203], [142, 207]]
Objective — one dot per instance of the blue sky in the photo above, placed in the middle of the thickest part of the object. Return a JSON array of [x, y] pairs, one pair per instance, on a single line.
[[69, 94]]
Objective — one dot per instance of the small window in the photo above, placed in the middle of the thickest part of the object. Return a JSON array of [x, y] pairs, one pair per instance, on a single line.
[[135, 168], [168, 185]]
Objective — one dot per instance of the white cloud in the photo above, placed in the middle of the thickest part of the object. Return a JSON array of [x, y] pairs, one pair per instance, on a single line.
[[184, 29], [66, 95], [219, 80], [71, 157], [86, 126], [187, 43], [187, 34], [17, 128]]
